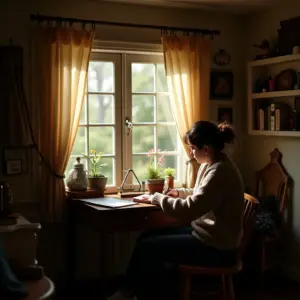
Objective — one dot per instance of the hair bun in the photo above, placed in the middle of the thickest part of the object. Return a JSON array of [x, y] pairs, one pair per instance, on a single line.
[[227, 132]]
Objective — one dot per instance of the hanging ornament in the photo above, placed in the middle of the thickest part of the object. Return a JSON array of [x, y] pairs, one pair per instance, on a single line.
[[222, 58]]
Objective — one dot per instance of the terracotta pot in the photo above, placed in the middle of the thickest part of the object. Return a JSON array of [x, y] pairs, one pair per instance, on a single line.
[[155, 185], [98, 184], [170, 182]]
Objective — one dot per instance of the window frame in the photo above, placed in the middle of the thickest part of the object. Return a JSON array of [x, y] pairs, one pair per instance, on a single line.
[[123, 54]]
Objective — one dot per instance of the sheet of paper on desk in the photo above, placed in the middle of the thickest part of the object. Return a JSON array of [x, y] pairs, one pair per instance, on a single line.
[[108, 202], [143, 199]]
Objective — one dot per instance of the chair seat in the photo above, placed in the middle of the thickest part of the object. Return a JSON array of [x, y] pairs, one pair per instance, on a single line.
[[194, 270]]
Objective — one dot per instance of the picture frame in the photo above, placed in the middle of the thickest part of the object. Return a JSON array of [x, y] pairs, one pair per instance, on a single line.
[[225, 114], [15, 160], [221, 85], [14, 167]]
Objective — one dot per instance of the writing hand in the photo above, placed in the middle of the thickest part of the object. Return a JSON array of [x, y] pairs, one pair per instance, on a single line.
[[173, 193]]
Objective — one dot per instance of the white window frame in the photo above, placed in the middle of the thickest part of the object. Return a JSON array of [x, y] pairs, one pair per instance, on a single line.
[[128, 53]]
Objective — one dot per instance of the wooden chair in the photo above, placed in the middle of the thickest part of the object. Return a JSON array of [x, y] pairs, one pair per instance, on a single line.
[[224, 272], [272, 180]]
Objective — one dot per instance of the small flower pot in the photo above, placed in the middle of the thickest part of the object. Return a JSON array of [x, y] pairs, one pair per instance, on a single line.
[[98, 184], [170, 182], [155, 185]]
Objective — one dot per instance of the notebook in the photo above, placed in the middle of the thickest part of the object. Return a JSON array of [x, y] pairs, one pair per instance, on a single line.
[[143, 199], [108, 202]]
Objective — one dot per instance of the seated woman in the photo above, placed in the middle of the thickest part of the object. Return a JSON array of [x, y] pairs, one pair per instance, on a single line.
[[214, 209]]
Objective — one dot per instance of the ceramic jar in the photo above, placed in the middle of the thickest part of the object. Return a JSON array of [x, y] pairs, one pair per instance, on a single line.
[[77, 178]]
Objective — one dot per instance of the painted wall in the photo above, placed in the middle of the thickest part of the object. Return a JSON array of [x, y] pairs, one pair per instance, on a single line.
[[15, 24], [260, 26]]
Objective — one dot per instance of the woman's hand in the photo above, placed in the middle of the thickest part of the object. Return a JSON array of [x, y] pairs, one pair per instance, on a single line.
[[173, 193]]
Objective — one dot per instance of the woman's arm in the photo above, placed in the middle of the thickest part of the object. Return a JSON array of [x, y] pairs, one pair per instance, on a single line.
[[207, 197]]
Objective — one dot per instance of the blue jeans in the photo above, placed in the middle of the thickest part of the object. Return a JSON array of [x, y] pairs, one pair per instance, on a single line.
[[149, 272]]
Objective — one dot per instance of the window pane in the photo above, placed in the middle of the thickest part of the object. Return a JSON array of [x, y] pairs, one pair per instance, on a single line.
[[164, 112], [142, 139], [101, 139], [108, 169], [80, 141], [70, 164], [101, 77], [101, 109], [142, 78], [161, 83], [143, 108], [139, 166], [171, 161], [83, 112], [167, 137]]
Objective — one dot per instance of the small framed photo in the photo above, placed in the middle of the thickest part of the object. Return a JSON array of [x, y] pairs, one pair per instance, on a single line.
[[15, 160], [13, 167], [221, 85], [225, 114]]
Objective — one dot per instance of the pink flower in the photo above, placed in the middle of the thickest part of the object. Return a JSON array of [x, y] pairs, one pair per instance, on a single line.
[[151, 152]]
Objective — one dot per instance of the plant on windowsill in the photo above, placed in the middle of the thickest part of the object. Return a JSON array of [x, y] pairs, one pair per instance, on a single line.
[[154, 173], [96, 180], [169, 173]]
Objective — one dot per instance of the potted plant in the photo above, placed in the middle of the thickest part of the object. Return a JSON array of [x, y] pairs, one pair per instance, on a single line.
[[154, 173], [96, 180], [169, 173]]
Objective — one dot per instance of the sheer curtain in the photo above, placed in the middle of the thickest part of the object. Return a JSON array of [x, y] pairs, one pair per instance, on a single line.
[[61, 58], [187, 63]]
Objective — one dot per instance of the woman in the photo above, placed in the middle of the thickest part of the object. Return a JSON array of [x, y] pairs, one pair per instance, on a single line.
[[214, 208]]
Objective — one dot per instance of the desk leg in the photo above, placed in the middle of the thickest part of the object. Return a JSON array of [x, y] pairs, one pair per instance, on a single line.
[[71, 244]]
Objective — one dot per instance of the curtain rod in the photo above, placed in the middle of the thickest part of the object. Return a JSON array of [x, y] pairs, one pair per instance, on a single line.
[[41, 18]]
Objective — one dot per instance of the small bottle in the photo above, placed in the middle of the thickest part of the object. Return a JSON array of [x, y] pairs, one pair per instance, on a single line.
[[143, 186], [271, 84]]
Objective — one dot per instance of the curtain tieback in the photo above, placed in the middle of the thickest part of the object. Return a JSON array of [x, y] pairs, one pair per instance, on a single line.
[[52, 171]]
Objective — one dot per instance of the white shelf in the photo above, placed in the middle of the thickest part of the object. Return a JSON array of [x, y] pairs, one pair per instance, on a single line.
[[274, 133], [274, 60], [291, 93]]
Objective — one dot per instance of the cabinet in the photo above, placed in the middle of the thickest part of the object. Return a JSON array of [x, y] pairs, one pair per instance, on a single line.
[[272, 108]]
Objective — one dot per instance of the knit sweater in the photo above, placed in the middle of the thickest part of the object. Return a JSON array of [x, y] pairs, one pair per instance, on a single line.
[[215, 206]]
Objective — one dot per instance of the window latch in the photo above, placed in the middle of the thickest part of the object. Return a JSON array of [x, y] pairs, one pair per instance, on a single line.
[[129, 126]]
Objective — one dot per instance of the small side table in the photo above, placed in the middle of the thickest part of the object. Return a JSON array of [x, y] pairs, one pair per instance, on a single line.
[[42, 289]]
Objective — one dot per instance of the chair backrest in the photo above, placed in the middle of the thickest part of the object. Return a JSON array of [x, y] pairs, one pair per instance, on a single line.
[[272, 180], [250, 208]]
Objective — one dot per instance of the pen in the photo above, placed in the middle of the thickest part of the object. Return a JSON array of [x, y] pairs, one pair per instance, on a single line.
[[167, 191]]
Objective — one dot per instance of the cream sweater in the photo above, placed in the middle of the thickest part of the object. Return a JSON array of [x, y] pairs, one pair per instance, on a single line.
[[215, 206]]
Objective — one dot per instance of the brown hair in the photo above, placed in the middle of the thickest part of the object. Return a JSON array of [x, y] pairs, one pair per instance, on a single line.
[[205, 133]]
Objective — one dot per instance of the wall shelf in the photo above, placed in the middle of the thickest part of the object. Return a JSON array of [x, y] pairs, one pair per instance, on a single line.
[[277, 94], [274, 60], [278, 112], [275, 133]]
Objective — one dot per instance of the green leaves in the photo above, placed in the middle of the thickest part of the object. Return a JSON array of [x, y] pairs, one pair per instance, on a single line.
[[95, 165]]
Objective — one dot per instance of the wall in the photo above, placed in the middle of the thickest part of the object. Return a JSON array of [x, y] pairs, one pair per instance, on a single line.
[[16, 25], [260, 26]]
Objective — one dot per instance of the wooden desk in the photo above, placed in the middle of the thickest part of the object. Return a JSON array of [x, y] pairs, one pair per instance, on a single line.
[[108, 220]]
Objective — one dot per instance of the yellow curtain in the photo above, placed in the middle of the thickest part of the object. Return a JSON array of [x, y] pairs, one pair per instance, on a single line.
[[61, 57], [187, 63]]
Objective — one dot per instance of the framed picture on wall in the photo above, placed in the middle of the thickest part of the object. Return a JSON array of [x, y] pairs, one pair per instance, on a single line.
[[221, 85], [225, 114], [15, 160]]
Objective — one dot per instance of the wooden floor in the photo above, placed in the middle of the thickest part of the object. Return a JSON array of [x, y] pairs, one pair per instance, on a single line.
[[275, 288]]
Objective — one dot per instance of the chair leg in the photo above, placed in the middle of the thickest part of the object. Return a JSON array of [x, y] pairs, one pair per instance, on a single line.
[[224, 289], [186, 287], [230, 287], [262, 264]]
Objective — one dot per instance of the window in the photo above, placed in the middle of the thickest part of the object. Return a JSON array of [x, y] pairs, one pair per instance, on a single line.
[[133, 87]]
